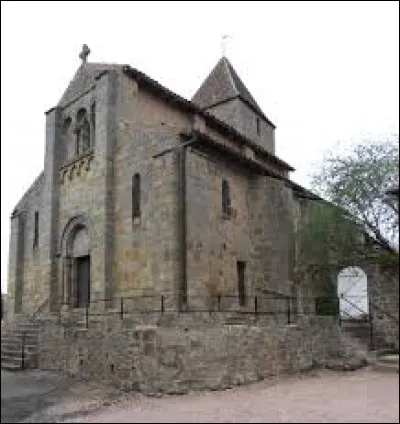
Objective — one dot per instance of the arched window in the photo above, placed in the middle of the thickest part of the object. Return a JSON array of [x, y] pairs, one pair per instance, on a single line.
[[226, 199], [82, 132], [136, 196]]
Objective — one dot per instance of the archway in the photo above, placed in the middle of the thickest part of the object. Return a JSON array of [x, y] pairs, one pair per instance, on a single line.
[[76, 256], [352, 287]]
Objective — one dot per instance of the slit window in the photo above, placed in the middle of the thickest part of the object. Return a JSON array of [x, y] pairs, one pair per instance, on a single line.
[[36, 230], [226, 199], [136, 196], [241, 269]]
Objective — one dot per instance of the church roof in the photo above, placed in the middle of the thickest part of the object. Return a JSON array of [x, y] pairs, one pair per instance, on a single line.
[[84, 79], [223, 84]]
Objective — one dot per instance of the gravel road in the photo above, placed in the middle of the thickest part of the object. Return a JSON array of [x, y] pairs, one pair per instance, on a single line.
[[324, 396], [360, 396]]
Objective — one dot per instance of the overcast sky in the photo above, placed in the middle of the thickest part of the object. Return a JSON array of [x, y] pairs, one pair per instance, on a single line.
[[322, 71]]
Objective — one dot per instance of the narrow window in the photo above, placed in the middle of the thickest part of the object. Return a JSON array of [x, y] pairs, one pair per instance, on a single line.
[[82, 132], [36, 230], [85, 144], [136, 196], [226, 199], [65, 138], [241, 267], [93, 123], [258, 125]]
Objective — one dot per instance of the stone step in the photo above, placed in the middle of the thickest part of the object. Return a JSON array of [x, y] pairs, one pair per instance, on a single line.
[[17, 349], [19, 334], [9, 366], [27, 328], [385, 366], [389, 359], [13, 338], [12, 359]]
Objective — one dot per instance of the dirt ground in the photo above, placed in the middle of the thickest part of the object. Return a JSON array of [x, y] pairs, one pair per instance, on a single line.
[[324, 396]]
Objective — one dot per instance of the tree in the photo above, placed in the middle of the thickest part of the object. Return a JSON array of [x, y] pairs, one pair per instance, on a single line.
[[352, 216], [357, 182]]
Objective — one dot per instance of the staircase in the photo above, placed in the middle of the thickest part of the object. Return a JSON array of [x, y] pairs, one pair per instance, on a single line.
[[385, 361], [19, 345], [359, 330]]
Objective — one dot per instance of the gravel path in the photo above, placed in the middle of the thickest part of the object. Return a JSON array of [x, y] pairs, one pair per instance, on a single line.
[[361, 396]]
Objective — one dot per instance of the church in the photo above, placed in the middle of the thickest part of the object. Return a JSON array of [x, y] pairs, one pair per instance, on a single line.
[[145, 193], [158, 248]]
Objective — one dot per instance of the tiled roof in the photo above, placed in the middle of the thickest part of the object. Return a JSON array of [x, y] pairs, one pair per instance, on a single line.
[[222, 84]]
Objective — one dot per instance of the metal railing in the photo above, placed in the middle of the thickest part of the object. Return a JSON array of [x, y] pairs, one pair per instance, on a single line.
[[124, 306]]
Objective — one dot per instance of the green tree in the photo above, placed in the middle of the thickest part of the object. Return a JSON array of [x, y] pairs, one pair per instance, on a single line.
[[351, 217], [357, 181]]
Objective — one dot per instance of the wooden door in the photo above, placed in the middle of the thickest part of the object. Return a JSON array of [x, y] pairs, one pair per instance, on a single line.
[[83, 281]]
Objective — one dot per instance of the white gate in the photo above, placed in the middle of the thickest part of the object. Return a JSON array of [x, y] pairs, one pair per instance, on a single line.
[[353, 293]]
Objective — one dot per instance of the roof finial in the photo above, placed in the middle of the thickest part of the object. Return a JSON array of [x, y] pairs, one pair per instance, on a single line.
[[223, 45], [84, 53]]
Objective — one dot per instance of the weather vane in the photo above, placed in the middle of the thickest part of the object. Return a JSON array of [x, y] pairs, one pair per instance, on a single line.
[[223, 44]]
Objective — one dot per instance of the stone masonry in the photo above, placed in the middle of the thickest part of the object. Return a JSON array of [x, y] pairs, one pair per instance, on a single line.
[[104, 231], [175, 354]]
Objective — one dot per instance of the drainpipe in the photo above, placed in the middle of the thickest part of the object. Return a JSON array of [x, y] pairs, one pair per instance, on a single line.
[[182, 218]]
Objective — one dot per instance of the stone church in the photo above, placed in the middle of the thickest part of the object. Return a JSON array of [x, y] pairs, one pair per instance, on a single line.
[[149, 202], [145, 193]]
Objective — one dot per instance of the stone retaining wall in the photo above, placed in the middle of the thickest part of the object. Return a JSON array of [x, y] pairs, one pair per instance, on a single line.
[[184, 353]]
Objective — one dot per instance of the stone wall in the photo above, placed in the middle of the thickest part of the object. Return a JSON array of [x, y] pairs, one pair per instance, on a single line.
[[145, 258], [259, 231], [240, 116], [383, 291], [24, 271], [180, 353]]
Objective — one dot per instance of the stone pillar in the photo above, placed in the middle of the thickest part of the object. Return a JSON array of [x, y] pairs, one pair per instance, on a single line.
[[16, 264], [49, 218], [103, 218]]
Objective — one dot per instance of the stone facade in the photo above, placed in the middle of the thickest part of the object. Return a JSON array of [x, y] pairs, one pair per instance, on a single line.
[[107, 127]]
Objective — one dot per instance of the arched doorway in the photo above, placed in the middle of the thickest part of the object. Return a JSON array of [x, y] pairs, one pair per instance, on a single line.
[[76, 248], [352, 286]]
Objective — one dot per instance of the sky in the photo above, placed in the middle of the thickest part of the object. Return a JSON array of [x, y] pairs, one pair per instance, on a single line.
[[323, 72]]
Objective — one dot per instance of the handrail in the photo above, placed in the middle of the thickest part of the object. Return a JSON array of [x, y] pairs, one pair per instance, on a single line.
[[374, 306], [39, 308], [352, 304], [384, 312]]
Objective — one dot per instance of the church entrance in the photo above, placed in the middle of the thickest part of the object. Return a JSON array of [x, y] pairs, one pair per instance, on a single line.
[[82, 281], [75, 277]]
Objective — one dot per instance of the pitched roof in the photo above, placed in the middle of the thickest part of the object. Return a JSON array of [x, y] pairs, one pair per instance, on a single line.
[[174, 99], [85, 77], [83, 80], [222, 84]]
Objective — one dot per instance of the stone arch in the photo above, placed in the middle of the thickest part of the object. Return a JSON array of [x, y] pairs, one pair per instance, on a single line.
[[75, 252], [352, 290]]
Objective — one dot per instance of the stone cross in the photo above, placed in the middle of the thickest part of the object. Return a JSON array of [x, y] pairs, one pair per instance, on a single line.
[[84, 53]]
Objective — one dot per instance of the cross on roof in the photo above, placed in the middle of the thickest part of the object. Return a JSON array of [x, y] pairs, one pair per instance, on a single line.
[[84, 53]]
